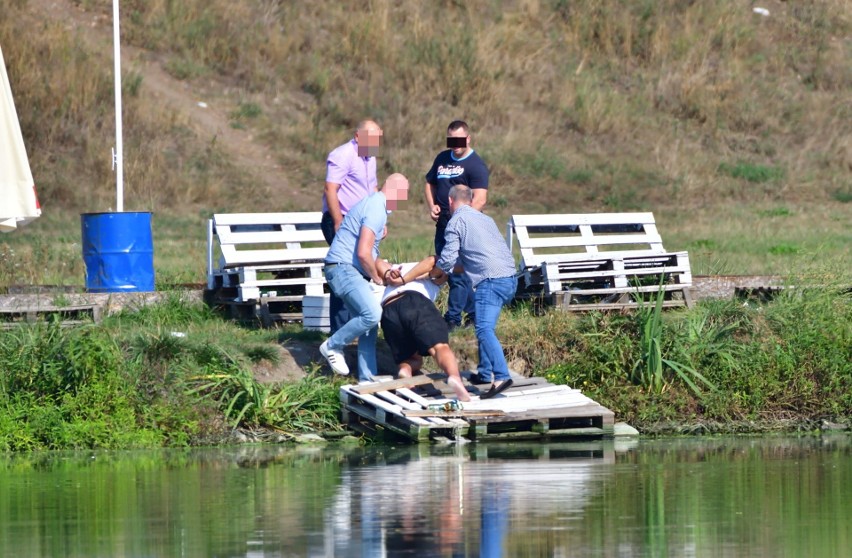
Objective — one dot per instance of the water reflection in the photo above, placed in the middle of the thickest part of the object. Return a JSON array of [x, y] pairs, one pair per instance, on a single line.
[[685, 497], [460, 502]]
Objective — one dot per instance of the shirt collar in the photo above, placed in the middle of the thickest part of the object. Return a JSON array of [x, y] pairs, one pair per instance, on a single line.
[[453, 157], [355, 147]]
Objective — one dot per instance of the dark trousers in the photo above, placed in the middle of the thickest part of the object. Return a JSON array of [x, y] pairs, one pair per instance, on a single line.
[[338, 312], [460, 298]]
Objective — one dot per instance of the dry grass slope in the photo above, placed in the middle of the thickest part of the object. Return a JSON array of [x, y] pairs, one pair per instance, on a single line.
[[734, 128]]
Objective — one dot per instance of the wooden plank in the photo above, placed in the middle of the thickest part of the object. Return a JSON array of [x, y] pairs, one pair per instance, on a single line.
[[69, 314], [629, 290], [388, 408], [393, 384], [588, 410], [235, 258], [568, 219], [274, 267], [453, 414], [228, 236], [553, 274], [295, 218], [295, 281], [393, 398], [415, 397], [585, 307], [409, 406], [49, 308], [596, 240]]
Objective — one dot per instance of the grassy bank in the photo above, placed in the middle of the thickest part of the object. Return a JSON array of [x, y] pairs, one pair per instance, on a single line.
[[171, 374], [178, 374], [725, 365]]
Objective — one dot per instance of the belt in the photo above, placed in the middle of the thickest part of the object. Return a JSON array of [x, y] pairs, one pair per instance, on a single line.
[[335, 264], [395, 297]]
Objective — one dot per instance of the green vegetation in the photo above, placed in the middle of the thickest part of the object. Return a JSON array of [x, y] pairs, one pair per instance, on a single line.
[[176, 373], [723, 362], [173, 373], [752, 172]]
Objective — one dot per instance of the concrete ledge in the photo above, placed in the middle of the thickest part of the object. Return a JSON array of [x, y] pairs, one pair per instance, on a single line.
[[110, 302]]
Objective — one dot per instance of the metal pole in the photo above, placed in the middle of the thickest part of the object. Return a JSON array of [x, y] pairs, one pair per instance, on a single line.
[[117, 156]]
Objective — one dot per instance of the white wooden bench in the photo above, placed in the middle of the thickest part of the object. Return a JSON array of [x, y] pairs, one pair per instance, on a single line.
[[598, 260], [270, 259]]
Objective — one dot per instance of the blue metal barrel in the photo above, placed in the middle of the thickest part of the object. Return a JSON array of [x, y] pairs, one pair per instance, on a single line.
[[118, 251]]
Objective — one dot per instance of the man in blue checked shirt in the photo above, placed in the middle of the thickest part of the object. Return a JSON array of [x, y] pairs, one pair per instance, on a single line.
[[473, 242]]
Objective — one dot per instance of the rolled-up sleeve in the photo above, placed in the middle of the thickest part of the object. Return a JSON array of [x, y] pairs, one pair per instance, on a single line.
[[450, 254]]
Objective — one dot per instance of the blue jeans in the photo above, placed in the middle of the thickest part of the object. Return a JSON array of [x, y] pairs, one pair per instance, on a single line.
[[490, 296], [348, 283], [460, 298], [337, 311]]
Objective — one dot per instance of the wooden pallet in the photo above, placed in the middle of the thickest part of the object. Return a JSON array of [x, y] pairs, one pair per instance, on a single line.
[[265, 253], [531, 409], [597, 261], [66, 315]]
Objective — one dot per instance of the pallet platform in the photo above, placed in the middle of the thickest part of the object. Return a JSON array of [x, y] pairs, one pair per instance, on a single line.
[[66, 315], [419, 410]]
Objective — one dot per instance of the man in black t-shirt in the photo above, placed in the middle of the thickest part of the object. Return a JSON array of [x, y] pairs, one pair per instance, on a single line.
[[457, 165]]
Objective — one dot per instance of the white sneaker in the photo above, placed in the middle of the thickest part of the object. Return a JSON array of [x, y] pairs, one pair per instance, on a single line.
[[335, 359]]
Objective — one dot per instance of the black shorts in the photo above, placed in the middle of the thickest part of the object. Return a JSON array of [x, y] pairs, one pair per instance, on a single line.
[[412, 324]]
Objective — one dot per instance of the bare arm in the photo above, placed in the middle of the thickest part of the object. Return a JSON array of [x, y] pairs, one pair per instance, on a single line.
[[480, 196], [434, 209], [333, 203], [366, 240], [421, 270], [385, 270]]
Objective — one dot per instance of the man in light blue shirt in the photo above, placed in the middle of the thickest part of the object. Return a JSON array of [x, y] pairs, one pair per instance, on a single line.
[[349, 266], [473, 241]]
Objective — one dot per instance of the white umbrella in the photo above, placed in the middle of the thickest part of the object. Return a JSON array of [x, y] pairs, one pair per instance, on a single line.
[[18, 202]]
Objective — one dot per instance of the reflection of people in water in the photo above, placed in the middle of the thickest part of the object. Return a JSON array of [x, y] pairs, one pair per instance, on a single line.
[[430, 523], [495, 518], [455, 505]]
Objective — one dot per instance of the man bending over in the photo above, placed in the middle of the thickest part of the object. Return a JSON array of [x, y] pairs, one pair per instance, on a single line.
[[414, 327]]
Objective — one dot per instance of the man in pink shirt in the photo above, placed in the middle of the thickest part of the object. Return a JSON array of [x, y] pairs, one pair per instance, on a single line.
[[350, 176]]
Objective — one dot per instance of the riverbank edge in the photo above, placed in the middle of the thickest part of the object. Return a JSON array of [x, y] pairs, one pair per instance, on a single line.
[[801, 426]]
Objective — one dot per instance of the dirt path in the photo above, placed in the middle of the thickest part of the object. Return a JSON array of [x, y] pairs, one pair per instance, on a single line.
[[205, 107]]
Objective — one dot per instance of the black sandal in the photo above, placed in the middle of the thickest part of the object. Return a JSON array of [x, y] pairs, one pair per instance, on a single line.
[[495, 389]]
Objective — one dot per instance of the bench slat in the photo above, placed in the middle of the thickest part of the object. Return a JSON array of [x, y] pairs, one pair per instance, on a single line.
[[639, 257], [227, 236], [234, 257], [569, 219], [579, 241], [299, 218]]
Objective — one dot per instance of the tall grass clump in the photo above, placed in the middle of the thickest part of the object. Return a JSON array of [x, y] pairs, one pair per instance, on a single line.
[[649, 370], [172, 373], [310, 404], [721, 361], [63, 388]]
